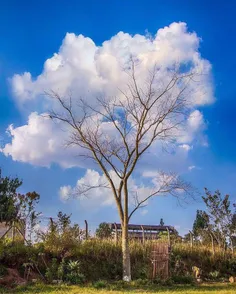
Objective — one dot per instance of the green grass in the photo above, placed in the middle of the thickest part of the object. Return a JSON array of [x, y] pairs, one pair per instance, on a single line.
[[202, 289]]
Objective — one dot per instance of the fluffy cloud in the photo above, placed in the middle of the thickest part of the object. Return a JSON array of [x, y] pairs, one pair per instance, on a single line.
[[92, 178], [40, 142], [93, 188], [86, 70]]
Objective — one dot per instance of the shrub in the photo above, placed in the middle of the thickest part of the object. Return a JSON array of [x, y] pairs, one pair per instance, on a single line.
[[168, 282], [214, 275], [140, 282], [61, 272], [120, 285], [232, 267], [52, 271], [100, 284], [15, 254], [102, 260], [74, 276], [183, 279], [3, 271]]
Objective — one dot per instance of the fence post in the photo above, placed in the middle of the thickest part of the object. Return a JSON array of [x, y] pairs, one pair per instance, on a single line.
[[168, 231], [191, 239], [143, 234], [116, 234], [86, 230], [212, 244]]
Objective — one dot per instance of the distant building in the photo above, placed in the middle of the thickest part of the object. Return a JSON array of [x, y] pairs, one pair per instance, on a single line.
[[141, 232], [10, 231], [3, 229]]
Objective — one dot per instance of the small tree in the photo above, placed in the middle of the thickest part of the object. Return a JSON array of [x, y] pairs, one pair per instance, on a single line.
[[104, 231], [9, 209], [201, 227], [61, 236], [146, 111], [16, 207], [162, 222], [64, 221], [222, 218]]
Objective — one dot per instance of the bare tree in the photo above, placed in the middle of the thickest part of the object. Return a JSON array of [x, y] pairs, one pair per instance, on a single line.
[[116, 131]]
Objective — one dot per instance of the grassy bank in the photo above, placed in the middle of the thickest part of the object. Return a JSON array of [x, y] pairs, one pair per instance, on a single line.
[[101, 259], [202, 289]]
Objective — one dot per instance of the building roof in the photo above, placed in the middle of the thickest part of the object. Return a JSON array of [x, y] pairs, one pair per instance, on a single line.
[[136, 227]]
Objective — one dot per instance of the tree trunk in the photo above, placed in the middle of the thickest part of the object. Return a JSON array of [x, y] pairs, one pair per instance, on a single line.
[[232, 245], [126, 253], [212, 245], [125, 237]]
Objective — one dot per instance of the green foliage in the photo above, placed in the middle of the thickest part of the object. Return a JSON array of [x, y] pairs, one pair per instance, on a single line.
[[52, 271], [201, 222], [214, 275], [74, 276], [61, 238], [73, 266], [68, 272], [64, 221], [232, 266], [223, 220], [104, 231], [3, 271], [99, 259], [121, 285], [102, 260], [212, 288], [201, 227], [183, 258], [183, 279], [61, 272], [141, 282], [17, 253], [8, 195], [16, 207], [100, 284]]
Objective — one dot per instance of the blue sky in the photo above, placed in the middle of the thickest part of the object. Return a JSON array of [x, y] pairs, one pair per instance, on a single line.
[[32, 31]]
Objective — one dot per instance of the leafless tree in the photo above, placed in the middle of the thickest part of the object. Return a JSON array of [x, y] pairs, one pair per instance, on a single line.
[[145, 112]]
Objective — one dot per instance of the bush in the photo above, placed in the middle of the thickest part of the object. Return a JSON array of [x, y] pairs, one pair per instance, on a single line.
[[52, 271], [183, 279], [214, 275], [102, 260], [100, 284], [120, 285], [15, 254], [3, 271], [74, 276], [141, 282], [232, 267], [61, 271]]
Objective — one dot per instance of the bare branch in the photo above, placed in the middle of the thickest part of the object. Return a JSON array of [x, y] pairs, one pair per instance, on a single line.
[[171, 185], [116, 131]]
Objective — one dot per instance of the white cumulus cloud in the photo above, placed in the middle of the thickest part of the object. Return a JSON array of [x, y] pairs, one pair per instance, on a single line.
[[92, 190], [40, 142], [86, 70]]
